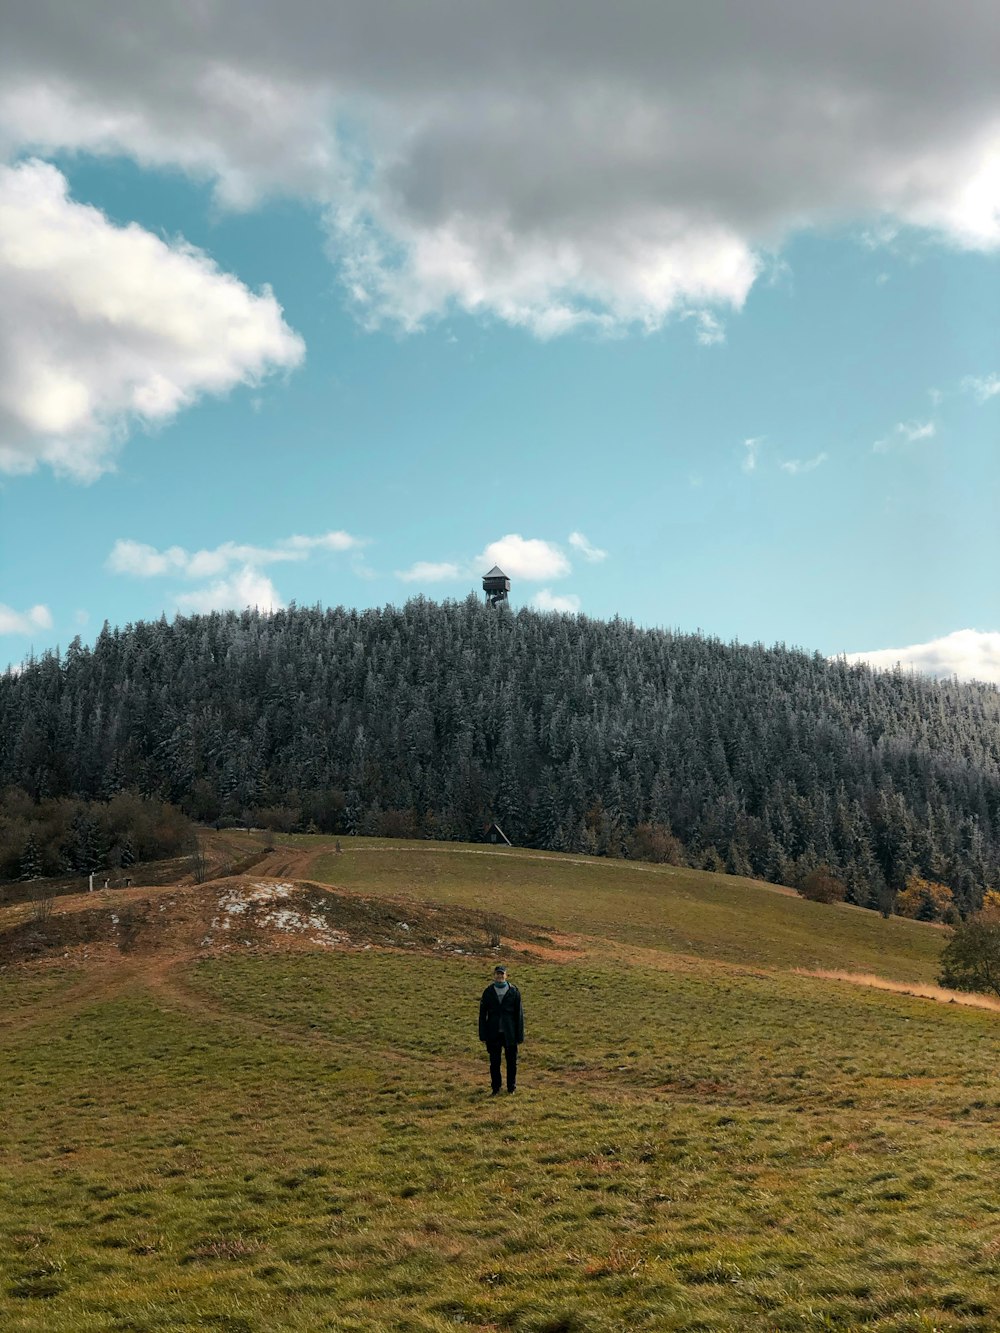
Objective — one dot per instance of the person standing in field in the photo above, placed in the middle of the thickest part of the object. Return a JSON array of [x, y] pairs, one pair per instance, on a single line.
[[501, 1026]]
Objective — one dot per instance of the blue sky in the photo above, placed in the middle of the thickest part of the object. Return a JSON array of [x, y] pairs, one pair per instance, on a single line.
[[354, 345]]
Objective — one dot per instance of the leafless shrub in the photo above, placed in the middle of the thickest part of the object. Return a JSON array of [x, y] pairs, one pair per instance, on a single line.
[[493, 926], [199, 862], [129, 921], [42, 899], [823, 886]]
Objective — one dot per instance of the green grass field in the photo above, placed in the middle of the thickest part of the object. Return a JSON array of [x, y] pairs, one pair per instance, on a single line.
[[661, 907], [702, 1139]]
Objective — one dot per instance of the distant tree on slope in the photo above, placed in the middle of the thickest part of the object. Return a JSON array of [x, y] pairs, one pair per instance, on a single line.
[[653, 842], [924, 899], [31, 861], [971, 958], [822, 886]]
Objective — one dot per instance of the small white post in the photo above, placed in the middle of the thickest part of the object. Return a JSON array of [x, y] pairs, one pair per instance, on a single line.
[[91, 889]]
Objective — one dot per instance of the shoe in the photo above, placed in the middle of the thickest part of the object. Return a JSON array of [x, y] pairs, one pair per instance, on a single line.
[[511, 1091], [495, 1092]]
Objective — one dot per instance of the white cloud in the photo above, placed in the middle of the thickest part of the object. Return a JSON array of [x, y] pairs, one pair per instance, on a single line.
[[752, 447], [592, 553], [327, 541], [903, 433], [982, 387], [24, 622], [917, 430], [519, 557], [203, 564], [131, 557], [426, 571], [709, 329], [360, 567], [105, 326], [796, 466], [247, 587], [546, 600], [525, 558], [235, 567], [606, 170], [967, 653]]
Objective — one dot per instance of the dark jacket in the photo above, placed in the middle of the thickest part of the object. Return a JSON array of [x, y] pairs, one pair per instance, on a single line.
[[501, 1022]]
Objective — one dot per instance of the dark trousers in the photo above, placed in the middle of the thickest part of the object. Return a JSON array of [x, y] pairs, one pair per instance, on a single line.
[[511, 1053]]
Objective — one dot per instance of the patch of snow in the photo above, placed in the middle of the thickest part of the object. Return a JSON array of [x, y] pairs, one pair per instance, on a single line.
[[235, 901], [114, 918], [266, 894], [271, 889], [402, 925], [285, 918]]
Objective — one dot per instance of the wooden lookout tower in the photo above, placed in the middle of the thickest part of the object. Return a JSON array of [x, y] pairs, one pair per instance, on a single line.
[[496, 586]]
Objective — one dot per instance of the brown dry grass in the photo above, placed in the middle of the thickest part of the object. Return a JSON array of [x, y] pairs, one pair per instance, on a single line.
[[925, 992]]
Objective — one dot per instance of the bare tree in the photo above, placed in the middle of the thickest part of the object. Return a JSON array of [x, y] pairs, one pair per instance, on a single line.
[[42, 899], [971, 959], [493, 925], [199, 862]]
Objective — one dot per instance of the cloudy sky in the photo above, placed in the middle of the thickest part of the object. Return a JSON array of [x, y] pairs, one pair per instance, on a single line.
[[684, 313]]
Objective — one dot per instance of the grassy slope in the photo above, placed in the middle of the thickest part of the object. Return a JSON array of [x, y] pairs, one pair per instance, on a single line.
[[301, 1142], [687, 911]]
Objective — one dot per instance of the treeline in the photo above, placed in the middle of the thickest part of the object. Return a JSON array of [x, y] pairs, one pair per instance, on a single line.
[[59, 836], [574, 734]]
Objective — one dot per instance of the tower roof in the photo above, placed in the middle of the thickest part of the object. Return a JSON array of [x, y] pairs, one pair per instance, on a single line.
[[495, 573]]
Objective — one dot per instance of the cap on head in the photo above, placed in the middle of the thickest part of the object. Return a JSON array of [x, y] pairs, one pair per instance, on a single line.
[[500, 968]]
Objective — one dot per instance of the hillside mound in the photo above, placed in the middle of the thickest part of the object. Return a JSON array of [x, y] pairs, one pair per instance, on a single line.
[[576, 735], [245, 912]]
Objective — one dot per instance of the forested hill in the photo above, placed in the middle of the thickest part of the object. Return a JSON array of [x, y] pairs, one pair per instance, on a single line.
[[573, 734]]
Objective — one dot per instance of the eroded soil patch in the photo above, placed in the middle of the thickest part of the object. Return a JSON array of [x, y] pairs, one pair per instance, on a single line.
[[246, 912]]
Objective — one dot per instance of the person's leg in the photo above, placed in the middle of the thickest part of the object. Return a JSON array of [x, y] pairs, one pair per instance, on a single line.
[[512, 1066], [495, 1065]]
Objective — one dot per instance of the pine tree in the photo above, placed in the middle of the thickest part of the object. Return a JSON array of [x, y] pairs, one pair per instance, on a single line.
[[87, 848], [31, 860]]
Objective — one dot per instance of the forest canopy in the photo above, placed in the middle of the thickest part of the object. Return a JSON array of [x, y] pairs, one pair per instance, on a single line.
[[58, 836], [573, 734]]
